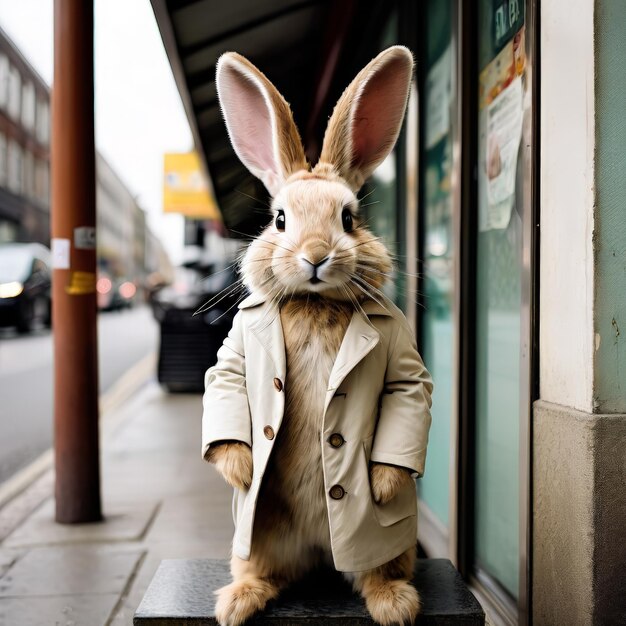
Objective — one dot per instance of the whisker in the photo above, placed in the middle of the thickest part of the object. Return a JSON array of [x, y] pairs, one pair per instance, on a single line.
[[247, 195], [273, 302], [211, 303], [363, 243], [369, 193], [370, 268], [217, 319], [273, 243], [219, 271], [368, 293], [355, 301]]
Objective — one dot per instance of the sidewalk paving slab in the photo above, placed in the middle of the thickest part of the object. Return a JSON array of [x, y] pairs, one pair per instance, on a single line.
[[160, 501], [58, 610], [7, 558], [70, 571], [14, 512], [122, 523]]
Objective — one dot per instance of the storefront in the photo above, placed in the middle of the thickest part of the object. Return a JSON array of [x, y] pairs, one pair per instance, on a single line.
[[465, 245], [522, 463]]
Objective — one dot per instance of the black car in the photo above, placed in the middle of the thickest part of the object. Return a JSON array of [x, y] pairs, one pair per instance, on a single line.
[[195, 313], [25, 279]]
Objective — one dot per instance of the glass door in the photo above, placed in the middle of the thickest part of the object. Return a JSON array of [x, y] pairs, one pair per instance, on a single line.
[[502, 239]]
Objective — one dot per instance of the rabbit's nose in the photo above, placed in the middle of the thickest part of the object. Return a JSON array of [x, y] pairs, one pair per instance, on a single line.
[[316, 252]]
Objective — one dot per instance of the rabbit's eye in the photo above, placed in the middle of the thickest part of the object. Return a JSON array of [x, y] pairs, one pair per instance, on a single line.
[[346, 220], [280, 220]]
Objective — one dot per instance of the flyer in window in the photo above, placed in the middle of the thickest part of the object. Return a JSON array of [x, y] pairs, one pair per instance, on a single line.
[[500, 132]]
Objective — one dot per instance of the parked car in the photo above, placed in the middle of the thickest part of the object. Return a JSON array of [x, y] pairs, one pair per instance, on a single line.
[[189, 343], [114, 293], [25, 281]]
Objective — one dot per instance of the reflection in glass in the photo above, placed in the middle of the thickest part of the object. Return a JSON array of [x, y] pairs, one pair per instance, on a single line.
[[438, 254]]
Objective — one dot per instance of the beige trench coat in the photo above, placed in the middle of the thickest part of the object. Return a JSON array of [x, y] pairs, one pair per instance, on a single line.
[[378, 399]]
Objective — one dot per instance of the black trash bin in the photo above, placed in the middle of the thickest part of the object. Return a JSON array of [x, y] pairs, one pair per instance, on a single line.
[[189, 343]]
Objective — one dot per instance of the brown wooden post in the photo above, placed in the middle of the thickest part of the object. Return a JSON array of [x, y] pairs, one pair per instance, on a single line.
[[73, 222]]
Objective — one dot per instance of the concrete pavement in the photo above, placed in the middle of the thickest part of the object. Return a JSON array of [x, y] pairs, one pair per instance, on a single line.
[[160, 501]]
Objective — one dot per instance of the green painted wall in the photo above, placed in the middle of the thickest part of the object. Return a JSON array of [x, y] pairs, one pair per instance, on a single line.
[[610, 225]]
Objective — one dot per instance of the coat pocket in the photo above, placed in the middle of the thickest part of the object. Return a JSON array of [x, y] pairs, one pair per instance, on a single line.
[[402, 506]]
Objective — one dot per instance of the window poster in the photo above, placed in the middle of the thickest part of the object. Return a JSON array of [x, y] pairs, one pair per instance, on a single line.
[[438, 90], [501, 105]]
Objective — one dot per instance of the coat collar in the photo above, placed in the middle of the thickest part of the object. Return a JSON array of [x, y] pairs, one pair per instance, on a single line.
[[370, 307], [360, 339]]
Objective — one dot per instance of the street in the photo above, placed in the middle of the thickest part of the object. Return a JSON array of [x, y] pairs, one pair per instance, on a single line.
[[26, 410]]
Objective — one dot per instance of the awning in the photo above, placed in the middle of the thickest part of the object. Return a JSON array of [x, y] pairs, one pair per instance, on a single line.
[[310, 49]]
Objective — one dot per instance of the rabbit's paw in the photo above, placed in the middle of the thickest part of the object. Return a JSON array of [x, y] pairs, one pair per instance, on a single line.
[[240, 600], [234, 462], [392, 602], [386, 481]]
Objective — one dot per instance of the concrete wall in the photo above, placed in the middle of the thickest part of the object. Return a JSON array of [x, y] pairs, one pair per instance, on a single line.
[[579, 498], [563, 498], [579, 424]]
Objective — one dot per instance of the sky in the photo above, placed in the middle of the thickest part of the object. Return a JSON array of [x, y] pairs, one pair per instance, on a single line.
[[139, 115]]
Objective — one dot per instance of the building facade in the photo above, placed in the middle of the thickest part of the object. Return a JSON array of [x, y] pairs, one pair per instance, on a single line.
[[24, 148], [126, 247]]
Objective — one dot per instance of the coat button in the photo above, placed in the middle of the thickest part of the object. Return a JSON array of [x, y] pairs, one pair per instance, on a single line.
[[278, 383], [268, 431], [336, 440], [337, 492]]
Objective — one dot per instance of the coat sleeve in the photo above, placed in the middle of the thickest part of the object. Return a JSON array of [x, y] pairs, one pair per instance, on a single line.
[[226, 414], [404, 420]]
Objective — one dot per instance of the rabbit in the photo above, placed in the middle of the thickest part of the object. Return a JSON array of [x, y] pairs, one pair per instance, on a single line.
[[317, 311]]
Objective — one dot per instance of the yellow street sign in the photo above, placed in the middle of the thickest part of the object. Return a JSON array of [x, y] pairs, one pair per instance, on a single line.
[[185, 188]]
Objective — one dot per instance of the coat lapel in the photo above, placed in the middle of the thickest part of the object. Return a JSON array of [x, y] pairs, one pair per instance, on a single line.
[[269, 331], [360, 339]]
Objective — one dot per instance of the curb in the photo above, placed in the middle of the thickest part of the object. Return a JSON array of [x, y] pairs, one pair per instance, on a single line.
[[127, 385]]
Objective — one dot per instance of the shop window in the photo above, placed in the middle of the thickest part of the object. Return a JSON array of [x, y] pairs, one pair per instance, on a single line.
[[437, 319], [42, 181], [501, 47], [4, 81], [15, 168], [3, 160], [8, 231], [43, 122], [476, 226], [29, 174], [15, 93], [28, 106]]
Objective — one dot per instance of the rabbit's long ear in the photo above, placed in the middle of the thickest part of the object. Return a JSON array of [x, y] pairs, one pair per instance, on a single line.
[[366, 121], [259, 122]]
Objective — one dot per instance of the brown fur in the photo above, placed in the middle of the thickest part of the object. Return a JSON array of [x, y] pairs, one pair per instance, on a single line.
[[242, 599], [389, 596], [386, 481], [233, 460], [291, 529]]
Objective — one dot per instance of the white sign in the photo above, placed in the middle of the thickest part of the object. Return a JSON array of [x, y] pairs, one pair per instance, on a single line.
[[60, 254], [500, 132], [85, 238]]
